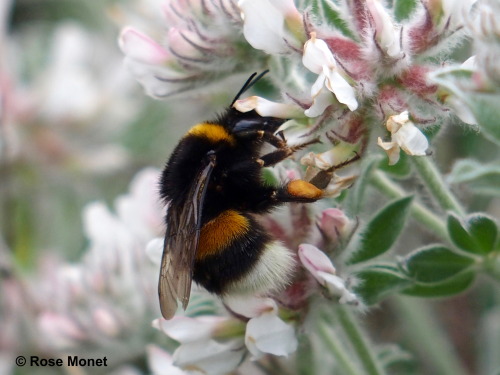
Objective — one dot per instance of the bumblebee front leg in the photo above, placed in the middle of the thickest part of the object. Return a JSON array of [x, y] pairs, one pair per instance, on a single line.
[[298, 191], [282, 153], [266, 136]]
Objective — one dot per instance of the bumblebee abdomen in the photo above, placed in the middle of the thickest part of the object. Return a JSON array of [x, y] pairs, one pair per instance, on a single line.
[[221, 232], [236, 255]]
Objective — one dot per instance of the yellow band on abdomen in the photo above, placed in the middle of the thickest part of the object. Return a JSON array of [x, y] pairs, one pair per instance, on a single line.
[[220, 232]]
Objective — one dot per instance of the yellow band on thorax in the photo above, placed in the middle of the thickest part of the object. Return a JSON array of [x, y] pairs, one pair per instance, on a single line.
[[220, 232], [213, 132]]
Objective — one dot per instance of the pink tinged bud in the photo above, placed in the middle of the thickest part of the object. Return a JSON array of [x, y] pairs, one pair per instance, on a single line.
[[141, 47], [60, 330], [106, 322], [315, 261], [183, 42], [266, 107], [321, 267], [333, 223]]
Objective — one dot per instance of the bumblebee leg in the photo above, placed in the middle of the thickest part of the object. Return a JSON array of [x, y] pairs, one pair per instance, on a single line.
[[266, 136], [282, 153], [298, 191]]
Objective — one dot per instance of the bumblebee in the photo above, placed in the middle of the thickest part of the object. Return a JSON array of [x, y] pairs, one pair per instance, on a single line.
[[213, 187]]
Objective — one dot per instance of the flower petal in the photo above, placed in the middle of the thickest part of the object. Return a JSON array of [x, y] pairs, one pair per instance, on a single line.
[[161, 362], [343, 91], [186, 330], [209, 357], [263, 25], [269, 334], [392, 149], [321, 101], [250, 306], [267, 108], [141, 47], [411, 140], [317, 54], [154, 250], [314, 260]]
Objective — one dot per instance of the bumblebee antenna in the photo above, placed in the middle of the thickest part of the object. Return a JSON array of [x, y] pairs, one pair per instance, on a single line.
[[248, 84]]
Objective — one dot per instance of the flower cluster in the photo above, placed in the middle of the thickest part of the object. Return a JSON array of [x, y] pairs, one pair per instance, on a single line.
[[347, 71], [105, 301], [347, 75]]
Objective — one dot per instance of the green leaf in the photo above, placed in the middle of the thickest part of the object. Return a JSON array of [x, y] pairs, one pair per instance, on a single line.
[[477, 236], [334, 18], [382, 231], [435, 264], [450, 287], [482, 178], [484, 230], [487, 113], [404, 8], [379, 281]]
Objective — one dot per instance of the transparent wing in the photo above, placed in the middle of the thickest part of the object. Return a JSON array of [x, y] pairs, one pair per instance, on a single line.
[[181, 241]]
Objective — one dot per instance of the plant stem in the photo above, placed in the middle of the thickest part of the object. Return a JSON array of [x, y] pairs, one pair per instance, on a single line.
[[434, 182], [359, 342], [427, 336], [345, 363], [419, 212]]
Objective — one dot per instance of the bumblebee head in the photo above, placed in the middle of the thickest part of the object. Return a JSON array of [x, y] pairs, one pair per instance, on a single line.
[[237, 122]]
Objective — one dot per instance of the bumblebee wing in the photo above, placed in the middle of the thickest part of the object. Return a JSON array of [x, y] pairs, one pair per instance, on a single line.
[[181, 241]]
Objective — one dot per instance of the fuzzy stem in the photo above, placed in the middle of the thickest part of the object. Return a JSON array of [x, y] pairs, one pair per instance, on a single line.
[[427, 336], [336, 348], [419, 212], [434, 182], [359, 342]]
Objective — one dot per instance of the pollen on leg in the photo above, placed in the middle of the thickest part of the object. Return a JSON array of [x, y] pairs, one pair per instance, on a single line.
[[303, 189]]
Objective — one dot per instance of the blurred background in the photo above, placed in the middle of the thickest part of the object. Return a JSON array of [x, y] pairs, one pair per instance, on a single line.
[[75, 128], [75, 125]]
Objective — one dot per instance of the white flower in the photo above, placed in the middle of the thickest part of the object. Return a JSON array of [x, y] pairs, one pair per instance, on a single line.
[[387, 34], [161, 362], [198, 350], [404, 135], [265, 331], [267, 108], [319, 59], [209, 357], [268, 25], [321, 267]]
